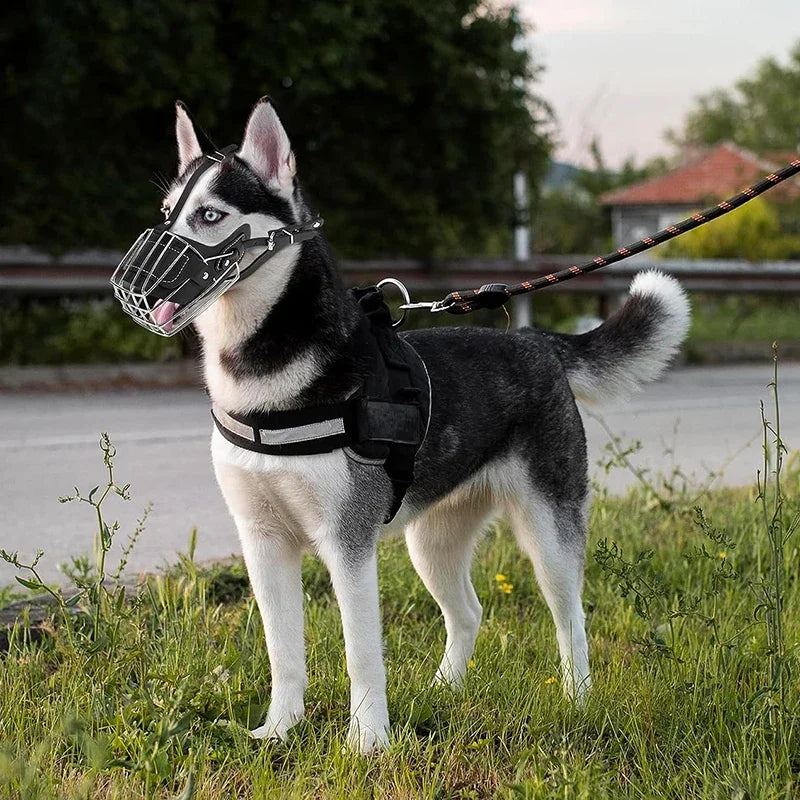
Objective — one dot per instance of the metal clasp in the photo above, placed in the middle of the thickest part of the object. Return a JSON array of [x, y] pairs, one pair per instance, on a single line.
[[433, 307]]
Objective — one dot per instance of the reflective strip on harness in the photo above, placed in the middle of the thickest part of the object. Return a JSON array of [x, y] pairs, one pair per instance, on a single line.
[[224, 419], [303, 433], [280, 436]]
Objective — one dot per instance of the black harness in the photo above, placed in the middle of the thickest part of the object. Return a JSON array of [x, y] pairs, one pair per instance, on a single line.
[[384, 422]]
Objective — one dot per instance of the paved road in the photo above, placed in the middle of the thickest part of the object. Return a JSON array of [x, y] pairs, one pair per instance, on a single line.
[[706, 417]]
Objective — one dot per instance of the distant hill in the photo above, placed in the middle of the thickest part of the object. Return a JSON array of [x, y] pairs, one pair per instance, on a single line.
[[559, 174]]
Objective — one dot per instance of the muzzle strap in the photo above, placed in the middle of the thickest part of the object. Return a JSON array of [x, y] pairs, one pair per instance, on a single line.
[[209, 160], [277, 240]]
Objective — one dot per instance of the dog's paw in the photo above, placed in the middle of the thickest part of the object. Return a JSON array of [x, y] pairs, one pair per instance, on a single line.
[[448, 677], [577, 691], [277, 724], [367, 737]]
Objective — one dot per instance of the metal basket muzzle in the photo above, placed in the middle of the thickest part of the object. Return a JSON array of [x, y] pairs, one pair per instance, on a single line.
[[164, 282]]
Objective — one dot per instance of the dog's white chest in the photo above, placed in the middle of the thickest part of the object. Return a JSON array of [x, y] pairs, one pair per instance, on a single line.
[[299, 492]]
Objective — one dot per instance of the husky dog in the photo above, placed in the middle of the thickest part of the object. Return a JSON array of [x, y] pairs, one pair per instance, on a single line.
[[504, 437]]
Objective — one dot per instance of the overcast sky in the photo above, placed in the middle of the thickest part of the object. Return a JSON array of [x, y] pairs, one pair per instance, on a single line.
[[625, 70]]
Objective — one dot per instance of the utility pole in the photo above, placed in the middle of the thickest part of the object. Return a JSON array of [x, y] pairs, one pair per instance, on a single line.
[[521, 303]]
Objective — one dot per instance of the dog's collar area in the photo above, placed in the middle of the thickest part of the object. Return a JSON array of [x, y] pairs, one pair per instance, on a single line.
[[385, 421]]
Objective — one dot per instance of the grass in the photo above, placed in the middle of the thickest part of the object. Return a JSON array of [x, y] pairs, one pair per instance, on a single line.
[[150, 692], [734, 318]]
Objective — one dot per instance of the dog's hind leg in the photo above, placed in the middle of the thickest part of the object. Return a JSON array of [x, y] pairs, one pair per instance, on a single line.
[[441, 543], [553, 535], [273, 563]]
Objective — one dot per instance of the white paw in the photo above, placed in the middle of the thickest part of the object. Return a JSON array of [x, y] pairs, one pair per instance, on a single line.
[[577, 691], [277, 724], [449, 677], [367, 736]]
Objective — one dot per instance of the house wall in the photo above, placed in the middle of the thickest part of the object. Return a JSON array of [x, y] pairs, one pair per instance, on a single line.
[[631, 223]]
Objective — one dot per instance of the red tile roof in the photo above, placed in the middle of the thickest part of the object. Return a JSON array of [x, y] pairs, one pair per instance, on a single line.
[[723, 171]]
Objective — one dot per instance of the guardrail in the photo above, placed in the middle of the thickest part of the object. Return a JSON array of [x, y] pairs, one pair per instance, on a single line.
[[25, 271]]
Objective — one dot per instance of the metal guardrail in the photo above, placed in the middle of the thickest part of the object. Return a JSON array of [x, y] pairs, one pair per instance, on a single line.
[[25, 271]]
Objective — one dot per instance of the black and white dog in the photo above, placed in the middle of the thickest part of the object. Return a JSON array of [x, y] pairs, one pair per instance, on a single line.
[[505, 436]]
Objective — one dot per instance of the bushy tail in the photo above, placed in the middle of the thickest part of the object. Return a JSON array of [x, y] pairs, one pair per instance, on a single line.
[[630, 348]]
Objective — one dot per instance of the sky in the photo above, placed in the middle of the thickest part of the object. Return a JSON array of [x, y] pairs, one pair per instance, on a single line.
[[625, 71]]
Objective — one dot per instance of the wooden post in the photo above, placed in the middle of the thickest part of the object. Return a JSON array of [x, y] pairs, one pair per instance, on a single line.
[[521, 304]]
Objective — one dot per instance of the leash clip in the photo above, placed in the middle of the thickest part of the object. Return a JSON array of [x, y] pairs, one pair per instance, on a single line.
[[436, 305]]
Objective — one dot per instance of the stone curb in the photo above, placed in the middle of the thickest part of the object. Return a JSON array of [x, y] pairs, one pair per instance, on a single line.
[[96, 377]]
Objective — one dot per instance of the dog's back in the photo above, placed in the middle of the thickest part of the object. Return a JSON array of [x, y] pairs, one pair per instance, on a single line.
[[500, 394]]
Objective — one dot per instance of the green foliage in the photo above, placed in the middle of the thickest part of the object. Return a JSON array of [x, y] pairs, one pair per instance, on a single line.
[[752, 232], [746, 317], [570, 221], [408, 119], [759, 113], [600, 179], [78, 332]]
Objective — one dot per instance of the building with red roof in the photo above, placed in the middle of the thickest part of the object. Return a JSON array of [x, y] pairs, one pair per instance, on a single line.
[[640, 209]]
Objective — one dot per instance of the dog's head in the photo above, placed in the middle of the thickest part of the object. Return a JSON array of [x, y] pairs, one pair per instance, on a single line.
[[256, 185], [217, 206]]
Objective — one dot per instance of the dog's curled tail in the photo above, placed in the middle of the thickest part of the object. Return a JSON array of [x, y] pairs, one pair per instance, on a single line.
[[630, 348]]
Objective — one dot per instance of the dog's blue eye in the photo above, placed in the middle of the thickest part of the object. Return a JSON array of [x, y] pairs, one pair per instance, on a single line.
[[211, 215]]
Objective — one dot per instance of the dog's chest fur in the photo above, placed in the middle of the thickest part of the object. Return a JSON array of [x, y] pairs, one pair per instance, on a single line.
[[298, 493], [284, 340]]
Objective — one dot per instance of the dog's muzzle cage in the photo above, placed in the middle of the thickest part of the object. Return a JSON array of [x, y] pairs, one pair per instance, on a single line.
[[165, 281]]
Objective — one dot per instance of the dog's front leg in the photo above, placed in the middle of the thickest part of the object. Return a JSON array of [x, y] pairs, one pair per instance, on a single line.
[[354, 574], [273, 563]]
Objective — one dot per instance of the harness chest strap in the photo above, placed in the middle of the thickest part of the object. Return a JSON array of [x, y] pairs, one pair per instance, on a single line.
[[384, 423], [310, 431], [355, 424]]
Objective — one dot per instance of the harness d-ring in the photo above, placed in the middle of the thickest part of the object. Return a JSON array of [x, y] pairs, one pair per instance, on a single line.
[[406, 296]]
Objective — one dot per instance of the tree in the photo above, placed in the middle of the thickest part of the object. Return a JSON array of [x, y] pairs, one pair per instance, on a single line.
[[752, 232], [760, 112], [570, 219], [408, 118]]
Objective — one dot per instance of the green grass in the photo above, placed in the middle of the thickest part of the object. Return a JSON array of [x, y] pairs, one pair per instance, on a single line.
[[732, 318], [152, 696]]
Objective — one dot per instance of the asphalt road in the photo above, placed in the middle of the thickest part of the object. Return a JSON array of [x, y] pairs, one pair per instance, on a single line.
[[699, 419]]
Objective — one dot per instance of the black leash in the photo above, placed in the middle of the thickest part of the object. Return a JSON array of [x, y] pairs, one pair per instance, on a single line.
[[494, 295]]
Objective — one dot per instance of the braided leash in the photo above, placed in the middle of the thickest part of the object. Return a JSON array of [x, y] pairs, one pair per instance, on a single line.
[[494, 295]]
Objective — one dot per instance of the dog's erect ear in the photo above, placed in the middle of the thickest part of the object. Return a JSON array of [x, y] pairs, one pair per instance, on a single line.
[[192, 141], [266, 147]]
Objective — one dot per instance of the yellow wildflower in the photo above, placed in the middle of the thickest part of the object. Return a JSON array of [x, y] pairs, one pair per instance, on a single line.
[[506, 587], [500, 577], [721, 554], [549, 681], [471, 663]]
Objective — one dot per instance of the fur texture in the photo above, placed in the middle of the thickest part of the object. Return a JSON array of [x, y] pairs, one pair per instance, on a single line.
[[505, 437]]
